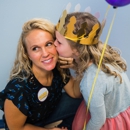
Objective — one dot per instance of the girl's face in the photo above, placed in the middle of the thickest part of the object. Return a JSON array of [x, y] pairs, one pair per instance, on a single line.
[[41, 50], [63, 47]]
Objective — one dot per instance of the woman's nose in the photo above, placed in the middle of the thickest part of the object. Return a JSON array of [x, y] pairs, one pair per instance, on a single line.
[[45, 52]]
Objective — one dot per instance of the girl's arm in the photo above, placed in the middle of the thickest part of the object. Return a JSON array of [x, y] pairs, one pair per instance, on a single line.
[[72, 88]]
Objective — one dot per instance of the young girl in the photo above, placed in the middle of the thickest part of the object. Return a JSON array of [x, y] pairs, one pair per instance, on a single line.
[[78, 38]]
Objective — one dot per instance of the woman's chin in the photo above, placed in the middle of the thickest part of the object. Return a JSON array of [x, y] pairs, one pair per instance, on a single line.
[[50, 67]]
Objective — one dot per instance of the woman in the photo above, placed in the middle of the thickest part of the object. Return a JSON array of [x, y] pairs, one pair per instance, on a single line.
[[109, 105], [34, 92]]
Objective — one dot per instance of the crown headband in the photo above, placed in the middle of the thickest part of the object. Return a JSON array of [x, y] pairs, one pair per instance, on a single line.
[[80, 38]]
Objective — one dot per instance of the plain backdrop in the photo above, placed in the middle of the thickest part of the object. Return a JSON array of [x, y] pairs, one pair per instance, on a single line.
[[14, 13]]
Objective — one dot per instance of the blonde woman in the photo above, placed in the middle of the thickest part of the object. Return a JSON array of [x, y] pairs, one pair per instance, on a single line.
[[33, 97]]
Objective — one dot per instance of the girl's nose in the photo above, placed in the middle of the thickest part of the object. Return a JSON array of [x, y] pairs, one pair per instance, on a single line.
[[55, 43]]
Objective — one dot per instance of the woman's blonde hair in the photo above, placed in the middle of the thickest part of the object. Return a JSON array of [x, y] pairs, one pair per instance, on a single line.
[[93, 52], [22, 64]]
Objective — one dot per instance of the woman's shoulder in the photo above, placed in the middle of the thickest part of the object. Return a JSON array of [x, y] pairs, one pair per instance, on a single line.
[[17, 85], [17, 82]]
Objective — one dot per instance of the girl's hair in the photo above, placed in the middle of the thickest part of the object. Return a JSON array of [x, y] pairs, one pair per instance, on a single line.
[[93, 52], [22, 65]]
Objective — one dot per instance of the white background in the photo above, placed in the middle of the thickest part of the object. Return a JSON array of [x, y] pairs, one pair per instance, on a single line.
[[13, 13]]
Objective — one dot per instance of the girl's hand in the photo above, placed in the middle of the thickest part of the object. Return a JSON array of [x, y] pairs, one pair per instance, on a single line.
[[66, 62]]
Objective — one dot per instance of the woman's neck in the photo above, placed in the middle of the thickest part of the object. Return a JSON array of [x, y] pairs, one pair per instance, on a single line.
[[43, 76]]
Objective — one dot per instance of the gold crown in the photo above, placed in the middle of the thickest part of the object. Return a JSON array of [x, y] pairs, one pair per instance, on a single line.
[[80, 38]]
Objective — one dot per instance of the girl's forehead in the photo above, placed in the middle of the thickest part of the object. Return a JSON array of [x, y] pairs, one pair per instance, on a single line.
[[58, 35]]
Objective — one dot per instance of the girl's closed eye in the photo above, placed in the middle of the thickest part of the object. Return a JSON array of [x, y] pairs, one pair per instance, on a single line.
[[58, 41]]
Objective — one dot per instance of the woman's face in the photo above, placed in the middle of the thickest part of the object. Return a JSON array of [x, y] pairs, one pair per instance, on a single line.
[[41, 50], [63, 47]]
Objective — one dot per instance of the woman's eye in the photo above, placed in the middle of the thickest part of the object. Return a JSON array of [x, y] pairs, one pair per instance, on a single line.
[[35, 48], [49, 44]]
